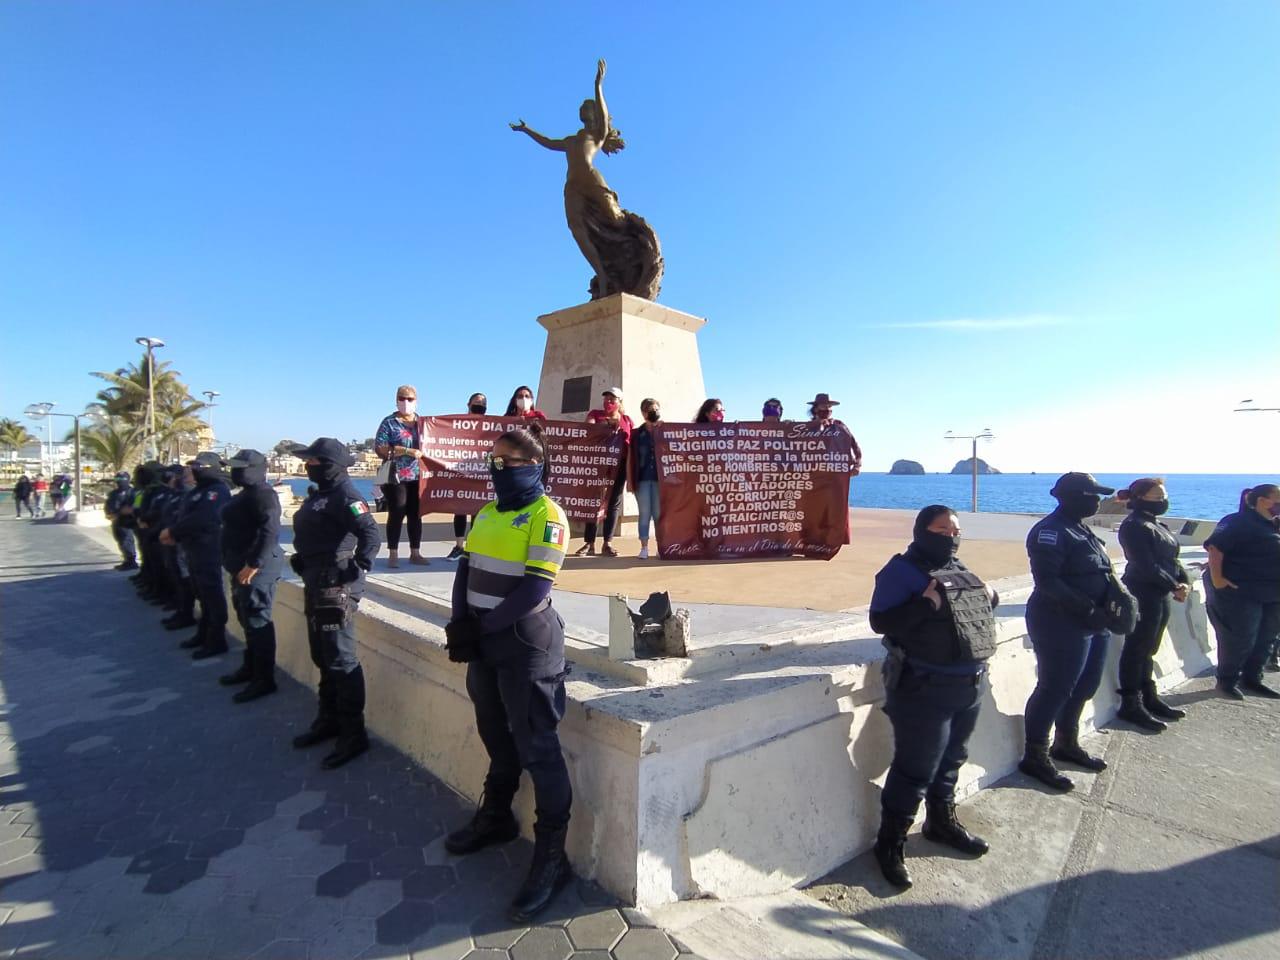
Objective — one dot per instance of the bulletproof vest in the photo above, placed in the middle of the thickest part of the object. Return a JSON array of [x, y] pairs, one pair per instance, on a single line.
[[972, 618]]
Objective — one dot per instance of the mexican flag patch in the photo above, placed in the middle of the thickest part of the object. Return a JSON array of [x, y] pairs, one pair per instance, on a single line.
[[357, 507], [555, 534]]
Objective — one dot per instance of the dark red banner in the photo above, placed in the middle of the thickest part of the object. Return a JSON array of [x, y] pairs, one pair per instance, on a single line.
[[753, 489], [584, 463]]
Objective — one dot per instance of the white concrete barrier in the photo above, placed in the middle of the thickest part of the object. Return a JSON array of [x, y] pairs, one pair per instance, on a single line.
[[744, 776]]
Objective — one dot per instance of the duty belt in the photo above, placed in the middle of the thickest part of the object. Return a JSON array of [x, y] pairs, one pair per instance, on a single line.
[[948, 679], [476, 611]]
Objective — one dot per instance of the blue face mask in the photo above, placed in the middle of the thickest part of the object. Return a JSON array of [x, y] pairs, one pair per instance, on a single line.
[[517, 487]]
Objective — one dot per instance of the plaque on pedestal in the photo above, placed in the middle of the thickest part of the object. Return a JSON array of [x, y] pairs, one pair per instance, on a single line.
[[643, 348]]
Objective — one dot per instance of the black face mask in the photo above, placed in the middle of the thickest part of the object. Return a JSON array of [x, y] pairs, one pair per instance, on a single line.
[[938, 548], [122, 484], [1154, 507], [325, 474], [478, 409], [1078, 506], [653, 416], [517, 487]]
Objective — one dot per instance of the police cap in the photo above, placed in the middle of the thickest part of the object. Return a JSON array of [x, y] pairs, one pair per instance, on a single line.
[[206, 460], [326, 448], [247, 458], [1070, 483]]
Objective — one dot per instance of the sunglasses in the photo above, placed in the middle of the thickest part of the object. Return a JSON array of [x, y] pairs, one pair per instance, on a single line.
[[501, 463], [406, 398]]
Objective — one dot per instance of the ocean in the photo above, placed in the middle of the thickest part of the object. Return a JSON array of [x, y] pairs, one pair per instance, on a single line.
[[1202, 495]]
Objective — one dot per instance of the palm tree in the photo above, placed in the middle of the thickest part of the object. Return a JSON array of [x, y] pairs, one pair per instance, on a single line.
[[14, 436], [117, 445], [128, 395]]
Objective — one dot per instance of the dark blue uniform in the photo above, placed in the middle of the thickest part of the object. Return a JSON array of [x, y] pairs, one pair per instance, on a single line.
[[198, 532], [1066, 622], [1152, 574], [251, 538], [1245, 617], [117, 499], [335, 541], [933, 700]]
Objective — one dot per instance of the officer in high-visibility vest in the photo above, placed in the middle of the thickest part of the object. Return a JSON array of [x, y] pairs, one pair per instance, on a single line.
[[512, 641]]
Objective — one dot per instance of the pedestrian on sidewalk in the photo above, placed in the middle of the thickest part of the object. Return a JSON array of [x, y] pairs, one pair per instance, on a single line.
[[399, 442], [335, 541], [251, 555], [198, 532], [1153, 575], [1243, 586], [39, 489], [22, 496], [938, 622], [504, 628], [117, 499], [1067, 623]]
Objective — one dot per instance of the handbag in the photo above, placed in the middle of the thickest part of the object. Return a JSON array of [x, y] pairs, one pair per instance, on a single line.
[[1121, 608], [386, 473]]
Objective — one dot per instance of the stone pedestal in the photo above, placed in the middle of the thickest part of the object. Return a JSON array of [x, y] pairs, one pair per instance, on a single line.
[[641, 347]]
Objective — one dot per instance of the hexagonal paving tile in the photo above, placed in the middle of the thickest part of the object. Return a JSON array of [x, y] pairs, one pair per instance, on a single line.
[[342, 879], [405, 922], [597, 931], [644, 944], [427, 883], [372, 899], [542, 943]]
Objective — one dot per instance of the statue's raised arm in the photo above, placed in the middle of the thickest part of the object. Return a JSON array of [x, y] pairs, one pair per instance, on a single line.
[[622, 249]]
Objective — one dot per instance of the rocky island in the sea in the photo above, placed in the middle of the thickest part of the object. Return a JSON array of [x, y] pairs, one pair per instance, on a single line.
[[966, 466], [906, 468]]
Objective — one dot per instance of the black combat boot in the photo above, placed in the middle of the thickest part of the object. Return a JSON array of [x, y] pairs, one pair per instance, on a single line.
[[242, 673], [215, 644], [349, 704], [941, 826], [1066, 747], [323, 727], [1157, 707], [1229, 689], [890, 848], [261, 647], [548, 873], [1257, 688], [493, 823], [178, 621], [1133, 710], [1035, 763]]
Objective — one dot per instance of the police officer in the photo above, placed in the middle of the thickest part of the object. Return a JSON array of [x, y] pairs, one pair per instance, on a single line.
[[335, 541], [183, 483], [251, 555], [939, 628], [199, 532], [149, 482], [1153, 575], [117, 500], [1067, 621], [1243, 585], [504, 629]]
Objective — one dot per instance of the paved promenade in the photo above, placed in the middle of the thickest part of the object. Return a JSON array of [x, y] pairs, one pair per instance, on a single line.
[[143, 815]]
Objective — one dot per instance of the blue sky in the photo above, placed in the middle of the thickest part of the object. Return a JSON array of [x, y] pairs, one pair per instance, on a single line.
[[1057, 220]]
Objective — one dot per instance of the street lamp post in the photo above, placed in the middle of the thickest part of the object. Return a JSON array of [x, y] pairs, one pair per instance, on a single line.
[[151, 343], [986, 434], [40, 411], [210, 396], [45, 411]]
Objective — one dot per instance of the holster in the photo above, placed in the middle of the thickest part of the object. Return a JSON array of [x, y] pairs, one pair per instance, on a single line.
[[891, 669], [331, 606]]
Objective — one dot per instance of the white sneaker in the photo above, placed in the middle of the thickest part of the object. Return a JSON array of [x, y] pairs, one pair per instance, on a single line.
[[644, 553]]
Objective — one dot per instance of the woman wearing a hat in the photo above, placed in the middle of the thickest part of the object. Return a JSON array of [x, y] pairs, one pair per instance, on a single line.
[[611, 411], [1067, 622]]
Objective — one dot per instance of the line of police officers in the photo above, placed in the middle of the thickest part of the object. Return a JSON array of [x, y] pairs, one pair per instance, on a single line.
[[192, 533]]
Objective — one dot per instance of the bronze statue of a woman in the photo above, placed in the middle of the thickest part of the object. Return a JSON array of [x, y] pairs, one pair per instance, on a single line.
[[622, 249]]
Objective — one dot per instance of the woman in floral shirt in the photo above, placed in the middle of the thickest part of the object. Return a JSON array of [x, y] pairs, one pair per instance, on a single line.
[[399, 438]]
